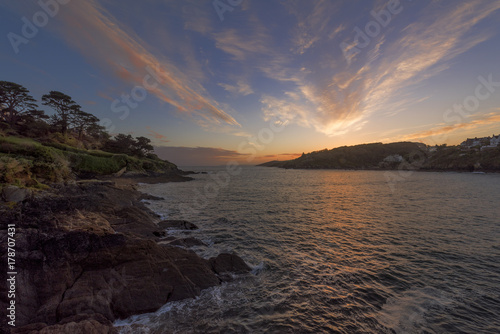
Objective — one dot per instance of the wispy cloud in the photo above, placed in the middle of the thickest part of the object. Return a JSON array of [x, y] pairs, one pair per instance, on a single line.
[[240, 46], [241, 88], [286, 156], [157, 135], [335, 32], [100, 37], [312, 21], [335, 98], [488, 119], [104, 95]]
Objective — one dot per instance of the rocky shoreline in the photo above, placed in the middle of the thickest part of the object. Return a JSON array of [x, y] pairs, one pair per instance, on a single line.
[[88, 254]]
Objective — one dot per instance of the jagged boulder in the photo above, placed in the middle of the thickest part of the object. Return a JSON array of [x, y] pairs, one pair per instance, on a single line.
[[67, 274], [87, 255], [15, 194], [177, 224], [187, 242], [80, 324], [229, 263]]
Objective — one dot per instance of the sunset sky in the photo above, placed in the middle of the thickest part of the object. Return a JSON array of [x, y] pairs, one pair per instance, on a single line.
[[211, 81]]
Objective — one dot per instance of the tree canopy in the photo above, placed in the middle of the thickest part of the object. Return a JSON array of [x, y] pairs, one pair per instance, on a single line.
[[15, 102], [19, 113], [64, 107], [140, 146]]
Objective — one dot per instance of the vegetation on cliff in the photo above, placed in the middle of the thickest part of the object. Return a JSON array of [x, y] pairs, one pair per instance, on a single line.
[[403, 155], [37, 149], [457, 158], [366, 156]]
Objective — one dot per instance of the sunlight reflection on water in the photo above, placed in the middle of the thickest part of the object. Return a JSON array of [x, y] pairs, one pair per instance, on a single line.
[[337, 251]]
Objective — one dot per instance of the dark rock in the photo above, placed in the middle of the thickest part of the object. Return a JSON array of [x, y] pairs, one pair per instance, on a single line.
[[187, 172], [81, 324], [81, 327], [177, 224], [28, 329], [168, 238], [187, 242], [110, 275], [150, 197], [95, 182], [229, 263], [90, 250], [15, 194], [158, 178], [159, 234], [222, 220]]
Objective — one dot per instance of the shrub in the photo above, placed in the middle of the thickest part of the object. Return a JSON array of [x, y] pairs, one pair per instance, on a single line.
[[86, 163], [51, 171], [15, 171]]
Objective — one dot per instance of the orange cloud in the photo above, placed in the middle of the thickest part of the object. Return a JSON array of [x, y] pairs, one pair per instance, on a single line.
[[157, 135], [199, 156], [490, 118], [287, 156], [93, 31], [104, 96], [334, 98]]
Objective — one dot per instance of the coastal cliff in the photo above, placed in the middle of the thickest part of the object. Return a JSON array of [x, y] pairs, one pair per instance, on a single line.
[[89, 253], [398, 156]]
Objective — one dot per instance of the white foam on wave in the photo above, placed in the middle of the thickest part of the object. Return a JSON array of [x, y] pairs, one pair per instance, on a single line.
[[258, 268], [148, 321], [408, 312], [178, 315]]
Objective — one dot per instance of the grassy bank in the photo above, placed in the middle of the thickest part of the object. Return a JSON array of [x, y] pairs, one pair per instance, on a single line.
[[26, 162]]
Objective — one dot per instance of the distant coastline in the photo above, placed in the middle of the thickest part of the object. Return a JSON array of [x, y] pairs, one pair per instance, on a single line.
[[398, 156]]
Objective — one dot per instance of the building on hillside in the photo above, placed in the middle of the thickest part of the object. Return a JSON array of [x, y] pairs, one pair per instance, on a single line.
[[495, 141], [432, 149], [393, 158], [485, 142], [471, 142]]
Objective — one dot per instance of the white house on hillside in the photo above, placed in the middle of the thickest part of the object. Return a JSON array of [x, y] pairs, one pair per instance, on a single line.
[[483, 143], [393, 158], [495, 141]]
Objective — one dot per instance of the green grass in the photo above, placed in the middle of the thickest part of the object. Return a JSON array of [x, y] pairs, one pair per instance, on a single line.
[[86, 163], [24, 161], [19, 141]]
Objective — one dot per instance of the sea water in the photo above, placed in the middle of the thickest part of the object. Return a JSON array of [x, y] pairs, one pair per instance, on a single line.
[[338, 252]]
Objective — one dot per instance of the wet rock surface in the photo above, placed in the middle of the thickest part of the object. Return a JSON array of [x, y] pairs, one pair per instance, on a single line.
[[188, 242], [228, 263], [88, 254], [177, 224]]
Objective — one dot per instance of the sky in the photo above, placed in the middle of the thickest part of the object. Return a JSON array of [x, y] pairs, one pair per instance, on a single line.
[[212, 81]]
